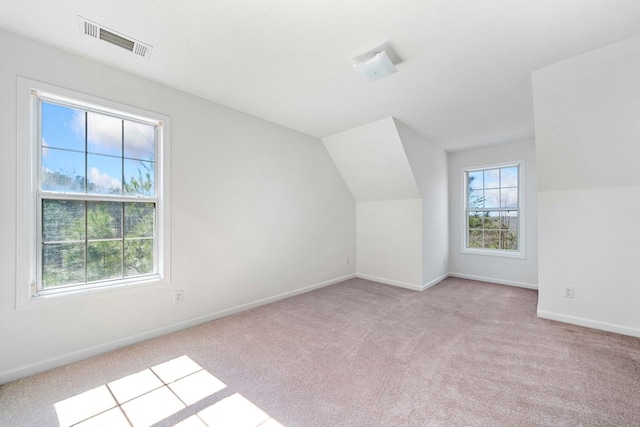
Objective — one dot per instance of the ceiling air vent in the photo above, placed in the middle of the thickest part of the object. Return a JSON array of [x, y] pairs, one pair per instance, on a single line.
[[97, 31]]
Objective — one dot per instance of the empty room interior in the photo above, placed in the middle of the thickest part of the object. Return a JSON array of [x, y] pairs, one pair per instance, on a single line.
[[414, 213]]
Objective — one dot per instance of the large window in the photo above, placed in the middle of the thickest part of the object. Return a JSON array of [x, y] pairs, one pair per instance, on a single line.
[[493, 215], [96, 201]]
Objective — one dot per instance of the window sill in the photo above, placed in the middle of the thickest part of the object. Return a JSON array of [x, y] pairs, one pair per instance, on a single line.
[[494, 252], [27, 302]]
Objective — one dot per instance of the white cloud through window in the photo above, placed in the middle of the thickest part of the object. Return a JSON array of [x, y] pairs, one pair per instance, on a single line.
[[104, 135], [102, 179]]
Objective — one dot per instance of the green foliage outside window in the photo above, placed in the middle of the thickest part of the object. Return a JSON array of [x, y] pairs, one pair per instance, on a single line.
[[88, 241]]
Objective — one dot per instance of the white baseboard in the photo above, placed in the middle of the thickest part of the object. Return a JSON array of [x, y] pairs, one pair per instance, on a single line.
[[390, 282], [403, 284], [65, 359], [588, 323], [434, 282], [492, 280]]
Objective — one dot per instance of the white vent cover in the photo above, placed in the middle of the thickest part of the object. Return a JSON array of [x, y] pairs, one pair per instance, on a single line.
[[97, 31]]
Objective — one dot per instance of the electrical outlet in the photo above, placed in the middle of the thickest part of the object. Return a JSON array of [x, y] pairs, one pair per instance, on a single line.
[[178, 296], [347, 263], [444, 262], [568, 292]]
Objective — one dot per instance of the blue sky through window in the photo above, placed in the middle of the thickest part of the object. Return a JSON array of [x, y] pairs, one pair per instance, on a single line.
[[116, 150], [495, 188]]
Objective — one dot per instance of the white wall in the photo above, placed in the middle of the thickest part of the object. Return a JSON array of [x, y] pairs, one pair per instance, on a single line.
[[399, 181], [587, 118], [512, 271], [389, 241], [374, 165], [258, 212], [373, 162], [429, 165]]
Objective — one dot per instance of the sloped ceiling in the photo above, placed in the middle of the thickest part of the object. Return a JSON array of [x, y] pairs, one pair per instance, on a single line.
[[372, 162], [465, 65]]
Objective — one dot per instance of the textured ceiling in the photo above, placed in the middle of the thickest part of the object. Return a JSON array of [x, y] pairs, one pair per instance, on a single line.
[[463, 80]]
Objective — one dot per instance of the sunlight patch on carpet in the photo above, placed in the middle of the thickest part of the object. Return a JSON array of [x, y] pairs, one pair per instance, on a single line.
[[145, 398], [235, 410]]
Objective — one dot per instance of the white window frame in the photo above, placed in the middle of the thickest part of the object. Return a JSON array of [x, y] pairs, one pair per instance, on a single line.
[[28, 167], [520, 253]]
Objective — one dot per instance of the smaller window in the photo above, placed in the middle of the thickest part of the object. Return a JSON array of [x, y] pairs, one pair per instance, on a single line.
[[493, 214]]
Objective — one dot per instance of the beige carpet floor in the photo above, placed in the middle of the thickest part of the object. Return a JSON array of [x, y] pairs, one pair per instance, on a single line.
[[358, 353]]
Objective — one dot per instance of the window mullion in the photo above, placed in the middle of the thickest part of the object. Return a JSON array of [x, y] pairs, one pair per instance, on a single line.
[[96, 197], [86, 241], [37, 146], [122, 266], [86, 203], [122, 226], [39, 245]]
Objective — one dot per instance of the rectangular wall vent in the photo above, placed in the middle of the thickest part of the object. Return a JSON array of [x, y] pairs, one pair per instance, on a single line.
[[97, 31], [90, 29], [112, 38]]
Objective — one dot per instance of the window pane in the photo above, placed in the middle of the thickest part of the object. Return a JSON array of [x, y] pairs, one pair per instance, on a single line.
[[476, 181], [62, 264], [139, 219], [492, 239], [492, 221], [62, 127], [139, 141], [492, 178], [139, 178], [509, 198], [491, 198], [138, 255], [62, 220], [475, 220], [104, 260], [509, 240], [104, 220], [509, 177], [104, 174], [475, 239], [475, 199], [104, 134], [62, 171], [509, 220]]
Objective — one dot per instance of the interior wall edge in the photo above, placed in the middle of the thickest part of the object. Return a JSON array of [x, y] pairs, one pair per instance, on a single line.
[[434, 282]]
